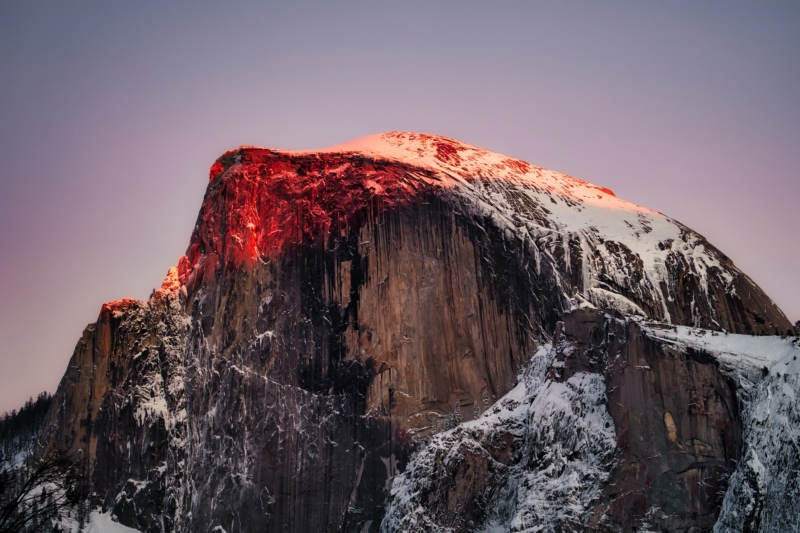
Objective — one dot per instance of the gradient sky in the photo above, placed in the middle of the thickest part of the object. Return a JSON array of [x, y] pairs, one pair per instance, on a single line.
[[111, 114]]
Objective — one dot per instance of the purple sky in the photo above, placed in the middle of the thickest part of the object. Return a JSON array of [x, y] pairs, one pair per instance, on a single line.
[[111, 114]]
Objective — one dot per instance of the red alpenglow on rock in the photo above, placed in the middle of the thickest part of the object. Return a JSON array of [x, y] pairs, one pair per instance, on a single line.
[[262, 199]]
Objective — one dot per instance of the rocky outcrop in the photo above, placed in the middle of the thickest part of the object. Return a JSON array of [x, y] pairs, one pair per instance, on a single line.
[[610, 430], [605, 250], [120, 409], [677, 419], [337, 309], [763, 492], [312, 372]]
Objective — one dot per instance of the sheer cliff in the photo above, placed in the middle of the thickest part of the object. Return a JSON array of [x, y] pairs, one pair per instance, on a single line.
[[338, 310]]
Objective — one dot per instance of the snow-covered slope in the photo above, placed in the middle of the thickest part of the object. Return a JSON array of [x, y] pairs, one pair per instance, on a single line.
[[96, 522], [747, 358], [552, 477]]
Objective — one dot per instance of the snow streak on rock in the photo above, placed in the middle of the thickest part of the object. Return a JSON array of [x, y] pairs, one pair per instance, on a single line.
[[764, 490]]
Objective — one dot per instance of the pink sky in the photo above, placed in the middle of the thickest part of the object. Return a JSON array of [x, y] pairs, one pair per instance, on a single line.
[[111, 115]]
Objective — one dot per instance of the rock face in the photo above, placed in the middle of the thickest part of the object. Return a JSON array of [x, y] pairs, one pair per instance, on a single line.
[[338, 309], [763, 494], [677, 420], [612, 429], [121, 409]]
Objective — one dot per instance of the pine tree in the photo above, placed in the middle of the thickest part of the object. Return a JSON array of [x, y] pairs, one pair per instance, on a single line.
[[19, 428], [82, 513]]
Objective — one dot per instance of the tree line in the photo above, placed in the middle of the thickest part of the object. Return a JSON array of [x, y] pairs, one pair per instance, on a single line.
[[37, 495], [18, 429]]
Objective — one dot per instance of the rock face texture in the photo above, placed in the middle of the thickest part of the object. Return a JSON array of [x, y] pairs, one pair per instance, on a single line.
[[121, 409], [763, 494], [677, 420], [612, 429], [337, 311]]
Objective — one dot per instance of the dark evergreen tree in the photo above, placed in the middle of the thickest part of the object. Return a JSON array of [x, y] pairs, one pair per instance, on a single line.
[[18, 429]]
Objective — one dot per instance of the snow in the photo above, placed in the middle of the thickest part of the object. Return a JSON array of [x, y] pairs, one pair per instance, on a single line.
[[18, 459], [567, 435], [758, 351], [764, 489], [744, 357], [103, 523], [98, 522], [149, 410], [567, 442]]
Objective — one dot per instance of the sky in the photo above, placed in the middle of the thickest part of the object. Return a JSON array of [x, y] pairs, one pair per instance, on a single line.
[[111, 114]]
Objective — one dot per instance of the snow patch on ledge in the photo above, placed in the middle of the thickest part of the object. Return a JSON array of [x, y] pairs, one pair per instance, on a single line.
[[750, 358], [98, 522]]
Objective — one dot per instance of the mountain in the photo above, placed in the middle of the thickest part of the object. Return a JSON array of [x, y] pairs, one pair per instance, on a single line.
[[409, 333]]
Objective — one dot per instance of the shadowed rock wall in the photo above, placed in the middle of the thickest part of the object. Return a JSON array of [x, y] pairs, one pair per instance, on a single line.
[[677, 419], [120, 410], [308, 377]]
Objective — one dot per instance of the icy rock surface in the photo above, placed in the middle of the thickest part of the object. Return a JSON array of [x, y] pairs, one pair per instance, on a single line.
[[96, 522], [764, 493], [764, 490]]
